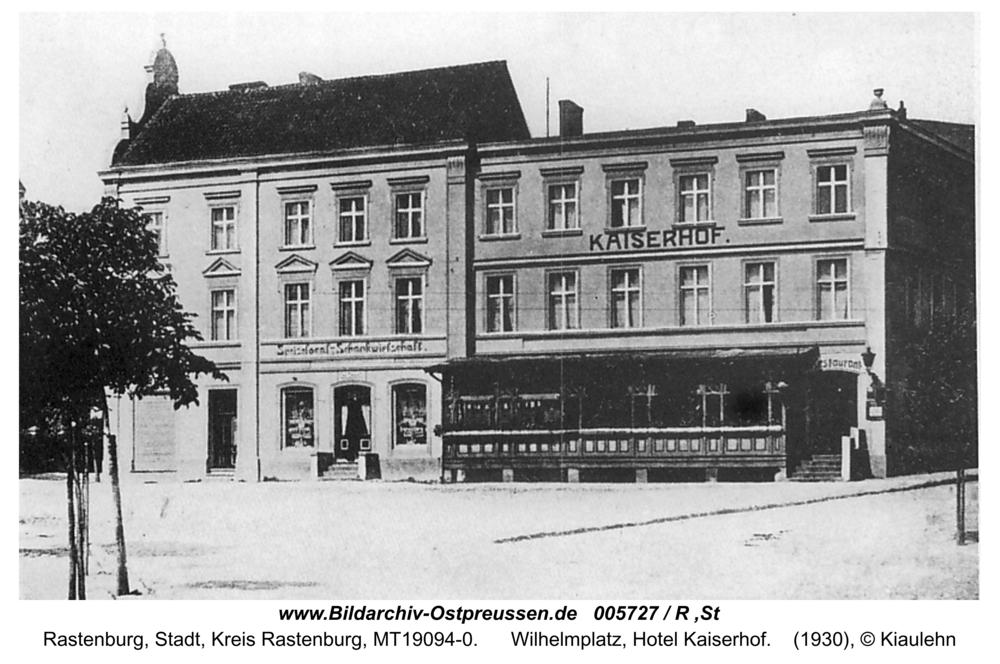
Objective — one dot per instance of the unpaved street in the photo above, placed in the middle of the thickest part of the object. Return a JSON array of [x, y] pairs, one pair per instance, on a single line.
[[404, 540]]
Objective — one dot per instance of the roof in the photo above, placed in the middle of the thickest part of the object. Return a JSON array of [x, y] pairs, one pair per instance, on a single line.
[[475, 102], [960, 135], [800, 355]]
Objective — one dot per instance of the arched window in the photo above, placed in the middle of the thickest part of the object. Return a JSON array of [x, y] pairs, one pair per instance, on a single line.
[[409, 405], [298, 417]]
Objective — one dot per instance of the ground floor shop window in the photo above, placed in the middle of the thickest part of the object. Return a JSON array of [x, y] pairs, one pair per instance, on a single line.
[[298, 417], [410, 413], [620, 404]]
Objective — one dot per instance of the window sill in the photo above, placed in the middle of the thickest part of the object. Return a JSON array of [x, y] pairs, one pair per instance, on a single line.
[[760, 221], [358, 243], [499, 237], [695, 224], [296, 247], [640, 228], [220, 252], [562, 232], [408, 240], [230, 343], [840, 216]]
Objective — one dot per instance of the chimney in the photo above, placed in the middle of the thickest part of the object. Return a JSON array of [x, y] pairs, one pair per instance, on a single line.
[[902, 110], [685, 124], [570, 119], [307, 78], [753, 115], [162, 83]]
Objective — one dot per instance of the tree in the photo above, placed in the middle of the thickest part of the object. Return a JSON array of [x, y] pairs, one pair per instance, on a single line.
[[98, 315], [937, 397]]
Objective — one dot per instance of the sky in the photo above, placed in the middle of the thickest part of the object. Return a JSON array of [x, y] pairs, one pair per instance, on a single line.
[[79, 71]]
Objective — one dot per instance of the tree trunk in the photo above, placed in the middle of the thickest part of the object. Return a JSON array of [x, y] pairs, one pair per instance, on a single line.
[[71, 524], [81, 512], [122, 574]]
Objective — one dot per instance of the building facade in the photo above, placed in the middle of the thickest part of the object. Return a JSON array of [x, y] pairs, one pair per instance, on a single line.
[[391, 266], [306, 228], [706, 301]]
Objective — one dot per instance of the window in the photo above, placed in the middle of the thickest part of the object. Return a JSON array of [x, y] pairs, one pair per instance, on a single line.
[[937, 296], [564, 312], [761, 194], [832, 289], [626, 298], [500, 303], [352, 308], [409, 305], [297, 414], [712, 406], [563, 205], [409, 216], [695, 198], [758, 292], [224, 228], [298, 321], [626, 203], [500, 218], [298, 227], [832, 189], [695, 295], [353, 219], [158, 228], [223, 315], [410, 413]]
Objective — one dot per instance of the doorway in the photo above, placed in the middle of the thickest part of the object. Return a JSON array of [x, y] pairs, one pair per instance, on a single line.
[[222, 421], [832, 411], [352, 421]]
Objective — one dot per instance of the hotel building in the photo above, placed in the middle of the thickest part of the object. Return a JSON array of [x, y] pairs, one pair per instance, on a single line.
[[391, 268]]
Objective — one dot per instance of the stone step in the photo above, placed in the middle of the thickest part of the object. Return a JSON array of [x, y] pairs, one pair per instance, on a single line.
[[341, 472], [818, 468], [816, 473]]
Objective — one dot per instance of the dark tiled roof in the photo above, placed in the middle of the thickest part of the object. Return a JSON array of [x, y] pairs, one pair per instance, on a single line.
[[961, 135], [474, 102]]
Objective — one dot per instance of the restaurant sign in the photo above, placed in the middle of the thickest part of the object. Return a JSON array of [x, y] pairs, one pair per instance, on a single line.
[[849, 362], [338, 348]]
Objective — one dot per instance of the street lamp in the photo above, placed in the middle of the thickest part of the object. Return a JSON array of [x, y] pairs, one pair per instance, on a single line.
[[868, 357]]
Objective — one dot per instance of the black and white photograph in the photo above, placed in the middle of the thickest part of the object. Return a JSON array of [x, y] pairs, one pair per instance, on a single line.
[[542, 307]]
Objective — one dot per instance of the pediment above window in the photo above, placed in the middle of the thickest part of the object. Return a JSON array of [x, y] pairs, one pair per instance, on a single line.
[[296, 264], [350, 261], [221, 268], [408, 258]]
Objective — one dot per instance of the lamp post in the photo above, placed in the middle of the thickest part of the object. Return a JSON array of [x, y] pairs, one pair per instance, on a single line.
[[868, 357]]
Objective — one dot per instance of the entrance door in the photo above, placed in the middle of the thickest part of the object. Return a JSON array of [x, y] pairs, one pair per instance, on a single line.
[[352, 421], [221, 429], [833, 410]]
